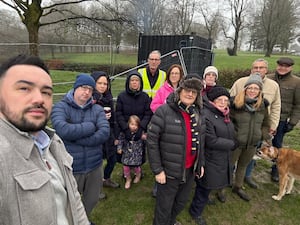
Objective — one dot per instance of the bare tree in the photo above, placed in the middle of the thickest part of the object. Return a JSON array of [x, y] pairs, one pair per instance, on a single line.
[[147, 15], [32, 12], [278, 21], [212, 20], [238, 10]]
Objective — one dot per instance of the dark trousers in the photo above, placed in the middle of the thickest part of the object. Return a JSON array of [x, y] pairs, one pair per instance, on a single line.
[[171, 199], [278, 140], [89, 185], [200, 200], [110, 165], [280, 132]]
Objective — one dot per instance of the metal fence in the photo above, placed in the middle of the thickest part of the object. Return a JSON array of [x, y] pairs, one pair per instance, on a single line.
[[192, 59]]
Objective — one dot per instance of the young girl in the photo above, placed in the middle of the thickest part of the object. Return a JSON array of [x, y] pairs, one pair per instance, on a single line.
[[132, 151]]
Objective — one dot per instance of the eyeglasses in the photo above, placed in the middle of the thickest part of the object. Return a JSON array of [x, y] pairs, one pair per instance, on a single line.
[[259, 67], [87, 88], [222, 100], [194, 92], [152, 59], [252, 89]]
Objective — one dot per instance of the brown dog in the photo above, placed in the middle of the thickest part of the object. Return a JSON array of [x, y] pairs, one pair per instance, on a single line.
[[288, 164]]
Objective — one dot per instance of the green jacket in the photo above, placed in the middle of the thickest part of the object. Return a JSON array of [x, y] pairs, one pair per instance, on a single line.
[[250, 127], [290, 96]]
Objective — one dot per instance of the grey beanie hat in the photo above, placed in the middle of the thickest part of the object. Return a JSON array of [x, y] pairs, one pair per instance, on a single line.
[[254, 79]]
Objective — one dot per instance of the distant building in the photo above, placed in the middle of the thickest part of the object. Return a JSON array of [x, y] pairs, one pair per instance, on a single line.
[[294, 47]]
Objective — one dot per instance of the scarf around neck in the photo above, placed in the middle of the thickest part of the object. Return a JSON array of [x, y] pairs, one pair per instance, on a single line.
[[191, 111], [225, 112]]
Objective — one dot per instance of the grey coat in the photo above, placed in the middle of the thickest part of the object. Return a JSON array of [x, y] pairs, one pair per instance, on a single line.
[[26, 193]]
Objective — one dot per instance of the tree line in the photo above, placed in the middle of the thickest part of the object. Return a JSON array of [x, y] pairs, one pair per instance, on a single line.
[[261, 24]]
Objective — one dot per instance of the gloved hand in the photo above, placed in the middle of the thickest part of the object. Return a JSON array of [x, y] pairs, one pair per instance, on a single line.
[[236, 144], [138, 134], [289, 127], [128, 134]]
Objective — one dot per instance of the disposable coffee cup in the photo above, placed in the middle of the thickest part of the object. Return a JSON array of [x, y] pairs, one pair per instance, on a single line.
[[107, 109]]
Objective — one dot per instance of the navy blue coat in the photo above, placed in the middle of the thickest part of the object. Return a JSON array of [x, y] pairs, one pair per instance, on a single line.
[[83, 130], [133, 103]]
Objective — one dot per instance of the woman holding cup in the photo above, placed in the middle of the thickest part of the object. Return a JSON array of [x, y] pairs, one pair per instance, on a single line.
[[103, 96]]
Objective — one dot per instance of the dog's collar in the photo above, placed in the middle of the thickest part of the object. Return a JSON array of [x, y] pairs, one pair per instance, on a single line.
[[275, 159]]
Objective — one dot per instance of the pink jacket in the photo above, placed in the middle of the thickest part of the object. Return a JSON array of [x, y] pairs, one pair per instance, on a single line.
[[161, 96]]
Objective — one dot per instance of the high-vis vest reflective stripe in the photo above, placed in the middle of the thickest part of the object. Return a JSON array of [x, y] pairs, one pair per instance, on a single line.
[[146, 84]]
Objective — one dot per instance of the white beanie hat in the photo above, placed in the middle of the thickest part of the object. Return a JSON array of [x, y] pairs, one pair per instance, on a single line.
[[210, 69]]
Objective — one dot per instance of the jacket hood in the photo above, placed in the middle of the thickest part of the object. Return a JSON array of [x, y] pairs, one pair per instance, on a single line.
[[128, 90], [69, 99]]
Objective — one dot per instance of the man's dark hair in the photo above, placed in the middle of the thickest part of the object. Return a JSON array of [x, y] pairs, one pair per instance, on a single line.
[[23, 60]]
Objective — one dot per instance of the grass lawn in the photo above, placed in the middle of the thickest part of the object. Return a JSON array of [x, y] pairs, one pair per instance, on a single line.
[[135, 206]]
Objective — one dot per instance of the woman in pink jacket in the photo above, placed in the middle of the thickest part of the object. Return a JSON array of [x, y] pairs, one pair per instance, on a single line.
[[174, 76]]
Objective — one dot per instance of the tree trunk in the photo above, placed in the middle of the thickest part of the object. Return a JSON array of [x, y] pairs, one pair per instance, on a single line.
[[33, 33]]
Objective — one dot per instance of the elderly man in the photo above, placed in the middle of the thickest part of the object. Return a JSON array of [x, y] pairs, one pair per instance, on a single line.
[[271, 93], [290, 103], [36, 181], [84, 129], [153, 78]]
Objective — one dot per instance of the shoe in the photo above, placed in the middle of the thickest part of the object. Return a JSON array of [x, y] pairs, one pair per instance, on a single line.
[[250, 182], [241, 193], [221, 195], [200, 220], [109, 183], [274, 174], [177, 223], [128, 182], [137, 178], [102, 196]]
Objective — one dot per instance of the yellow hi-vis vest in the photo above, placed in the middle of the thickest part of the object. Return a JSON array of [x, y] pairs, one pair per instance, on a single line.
[[146, 84]]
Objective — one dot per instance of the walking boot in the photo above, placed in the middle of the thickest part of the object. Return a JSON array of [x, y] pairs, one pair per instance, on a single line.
[[128, 182], [221, 195], [241, 193], [250, 182], [109, 183], [137, 178], [274, 173]]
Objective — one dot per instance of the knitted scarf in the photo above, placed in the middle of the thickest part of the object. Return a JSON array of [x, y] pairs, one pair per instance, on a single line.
[[191, 111], [249, 102], [224, 111]]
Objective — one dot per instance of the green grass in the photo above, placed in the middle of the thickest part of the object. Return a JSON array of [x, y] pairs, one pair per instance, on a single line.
[[135, 206], [97, 58]]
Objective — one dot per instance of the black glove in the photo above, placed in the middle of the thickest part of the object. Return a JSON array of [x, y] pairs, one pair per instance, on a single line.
[[138, 134], [289, 127], [236, 144], [128, 135]]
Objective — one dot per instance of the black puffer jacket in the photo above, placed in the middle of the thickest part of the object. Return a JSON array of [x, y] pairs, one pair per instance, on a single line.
[[219, 142], [166, 141], [133, 103]]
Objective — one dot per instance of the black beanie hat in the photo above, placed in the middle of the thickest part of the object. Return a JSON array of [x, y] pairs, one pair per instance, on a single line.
[[216, 92]]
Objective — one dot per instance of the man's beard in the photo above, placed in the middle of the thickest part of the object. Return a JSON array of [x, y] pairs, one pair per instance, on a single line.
[[22, 123]]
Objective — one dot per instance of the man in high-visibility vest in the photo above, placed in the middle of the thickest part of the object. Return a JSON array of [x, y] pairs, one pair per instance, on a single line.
[[153, 78]]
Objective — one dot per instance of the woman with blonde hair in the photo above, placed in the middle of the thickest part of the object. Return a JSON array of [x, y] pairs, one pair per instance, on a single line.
[[250, 117]]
